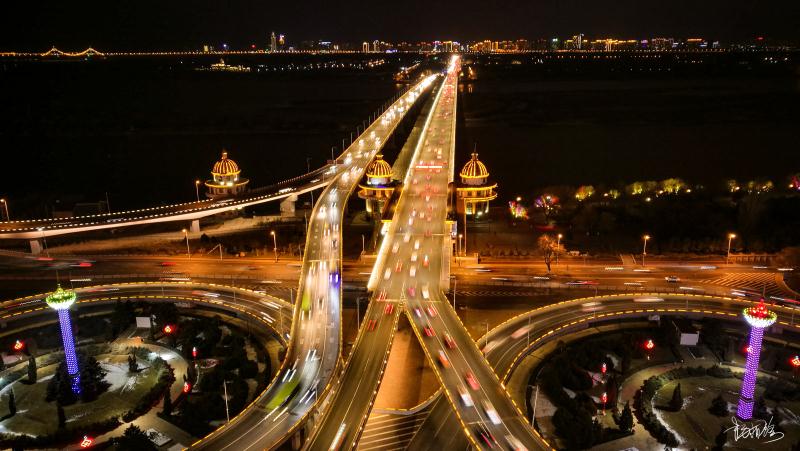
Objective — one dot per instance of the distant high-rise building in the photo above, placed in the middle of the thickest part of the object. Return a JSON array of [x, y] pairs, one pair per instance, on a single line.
[[365, 47], [273, 42], [281, 41], [376, 46]]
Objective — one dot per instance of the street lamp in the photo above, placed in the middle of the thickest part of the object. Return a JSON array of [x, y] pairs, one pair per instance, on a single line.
[[558, 246], [5, 206], [197, 189], [274, 244], [604, 398], [186, 235], [460, 236], [644, 247], [731, 236]]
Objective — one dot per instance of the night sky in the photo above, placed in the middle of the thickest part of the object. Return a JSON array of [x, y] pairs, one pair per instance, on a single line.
[[185, 24]]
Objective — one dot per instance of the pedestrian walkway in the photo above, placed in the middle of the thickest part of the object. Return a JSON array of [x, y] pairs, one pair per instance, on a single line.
[[390, 432], [767, 283]]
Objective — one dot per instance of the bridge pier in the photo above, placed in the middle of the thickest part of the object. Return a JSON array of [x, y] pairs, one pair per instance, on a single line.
[[288, 205], [36, 247], [195, 226]]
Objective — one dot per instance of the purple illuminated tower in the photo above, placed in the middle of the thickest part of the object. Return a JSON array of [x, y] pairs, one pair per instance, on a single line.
[[759, 319], [61, 300]]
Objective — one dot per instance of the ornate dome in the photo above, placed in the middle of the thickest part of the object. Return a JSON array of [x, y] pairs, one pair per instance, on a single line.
[[474, 169], [225, 166], [379, 168]]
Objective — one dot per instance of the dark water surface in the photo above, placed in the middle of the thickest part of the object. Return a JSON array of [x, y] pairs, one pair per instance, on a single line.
[[144, 129]]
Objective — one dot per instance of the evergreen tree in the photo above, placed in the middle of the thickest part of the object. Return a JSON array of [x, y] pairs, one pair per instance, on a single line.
[[677, 400], [12, 404], [133, 366], [719, 406], [167, 410], [134, 439], [62, 417], [720, 439], [2, 363], [92, 378], [626, 419], [32, 370]]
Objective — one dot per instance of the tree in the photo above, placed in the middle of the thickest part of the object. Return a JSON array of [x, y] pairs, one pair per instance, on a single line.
[[720, 439], [626, 419], [62, 417], [548, 246], [12, 404], [92, 378], [59, 388], [134, 439], [32, 370], [167, 408], [133, 366], [719, 406], [677, 400]]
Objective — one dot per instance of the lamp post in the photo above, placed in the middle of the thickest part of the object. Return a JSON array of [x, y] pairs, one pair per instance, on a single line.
[[186, 235], [274, 244], [731, 236], [225, 390], [644, 247], [197, 189], [558, 246], [5, 207]]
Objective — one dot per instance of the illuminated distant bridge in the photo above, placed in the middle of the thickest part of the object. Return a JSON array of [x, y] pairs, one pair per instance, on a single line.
[[56, 52]]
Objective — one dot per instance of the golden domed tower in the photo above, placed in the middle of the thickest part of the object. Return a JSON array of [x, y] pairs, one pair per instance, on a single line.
[[379, 185], [225, 180], [475, 191]]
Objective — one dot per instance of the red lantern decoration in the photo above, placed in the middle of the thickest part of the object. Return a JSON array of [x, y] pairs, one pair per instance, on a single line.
[[604, 398], [86, 442], [649, 345], [194, 352], [795, 361], [18, 345], [168, 329], [187, 387], [603, 368]]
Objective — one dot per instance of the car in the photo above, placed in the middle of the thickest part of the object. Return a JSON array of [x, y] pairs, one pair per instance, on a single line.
[[485, 436], [448, 340], [672, 279], [398, 266], [414, 256], [382, 296], [387, 274], [395, 247], [412, 291], [466, 399], [425, 261], [406, 237], [443, 359], [418, 312], [371, 324], [81, 265], [491, 413], [470, 378], [520, 332], [412, 270], [425, 293], [411, 220], [431, 311], [388, 309], [167, 263], [413, 212], [514, 443], [429, 330], [416, 245]]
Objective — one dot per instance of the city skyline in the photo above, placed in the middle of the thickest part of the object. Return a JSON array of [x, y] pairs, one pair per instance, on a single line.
[[181, 25]]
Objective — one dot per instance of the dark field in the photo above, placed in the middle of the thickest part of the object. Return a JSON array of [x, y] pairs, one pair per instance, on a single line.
[[144, 129]]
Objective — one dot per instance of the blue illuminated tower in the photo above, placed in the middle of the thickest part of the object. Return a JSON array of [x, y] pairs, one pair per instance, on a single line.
[[759, 319], [61, 300]]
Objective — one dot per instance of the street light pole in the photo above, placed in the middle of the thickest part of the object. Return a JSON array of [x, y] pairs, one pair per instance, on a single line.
[[644, 247], [535, 399], [5, 206], [558, 246], [197, 189], [274, 244], [225, 390], [188, 251], [731, 236], [455, 288]]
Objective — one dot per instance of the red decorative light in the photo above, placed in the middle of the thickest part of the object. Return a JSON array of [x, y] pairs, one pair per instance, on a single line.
[[649, 345], [603, 368], [187, 387], [604, 398], [86, 442], [795, 361], [746, 349], [168, 329], [18, 345], [194, 352]]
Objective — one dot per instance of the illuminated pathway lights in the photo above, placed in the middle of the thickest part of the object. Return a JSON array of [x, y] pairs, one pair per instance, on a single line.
[[61, 300], [759, 319]]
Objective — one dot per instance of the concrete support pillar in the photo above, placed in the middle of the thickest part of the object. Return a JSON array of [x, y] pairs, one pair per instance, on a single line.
[[195, 227], [36, 247], [288, 205]]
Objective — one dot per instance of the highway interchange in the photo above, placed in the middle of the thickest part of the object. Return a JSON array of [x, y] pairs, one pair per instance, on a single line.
[[412, 274]]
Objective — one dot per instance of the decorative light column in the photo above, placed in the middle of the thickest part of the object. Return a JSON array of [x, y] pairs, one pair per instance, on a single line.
[[61, 300], [759, 319]]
